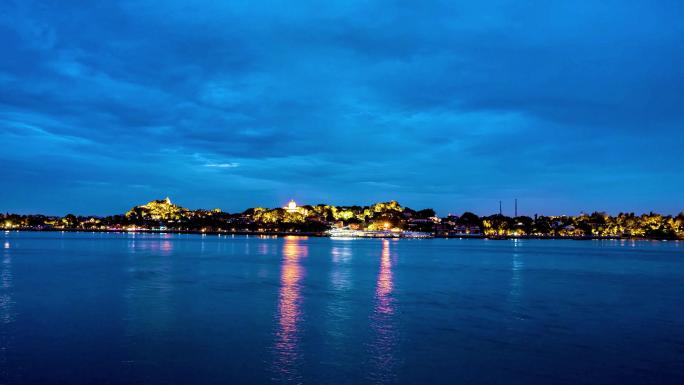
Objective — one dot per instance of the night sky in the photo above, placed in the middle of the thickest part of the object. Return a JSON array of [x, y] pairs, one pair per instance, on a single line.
[[568, 106]]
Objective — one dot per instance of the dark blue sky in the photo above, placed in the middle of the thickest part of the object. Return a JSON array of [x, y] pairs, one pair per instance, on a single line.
[[568, 106]]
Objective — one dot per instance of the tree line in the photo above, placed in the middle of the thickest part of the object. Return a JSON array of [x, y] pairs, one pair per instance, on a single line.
[[165, 215]]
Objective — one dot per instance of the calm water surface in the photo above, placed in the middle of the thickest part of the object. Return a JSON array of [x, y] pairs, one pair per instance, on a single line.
[[182, 309]]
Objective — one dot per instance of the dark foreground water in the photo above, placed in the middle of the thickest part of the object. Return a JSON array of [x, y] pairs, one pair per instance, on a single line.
[[188, 309]]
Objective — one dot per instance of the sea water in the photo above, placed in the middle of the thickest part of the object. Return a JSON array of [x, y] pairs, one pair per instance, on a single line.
[[108, 308]]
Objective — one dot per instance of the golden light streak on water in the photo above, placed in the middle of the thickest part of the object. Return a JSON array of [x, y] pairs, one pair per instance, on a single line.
[[385, 339], [289, 316]]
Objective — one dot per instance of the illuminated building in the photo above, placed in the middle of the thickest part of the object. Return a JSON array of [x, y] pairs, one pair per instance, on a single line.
[[291, 206]]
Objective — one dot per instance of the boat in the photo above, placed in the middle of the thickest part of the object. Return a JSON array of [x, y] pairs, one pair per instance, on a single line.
[[498, 237], [416, 234], [347, 233]]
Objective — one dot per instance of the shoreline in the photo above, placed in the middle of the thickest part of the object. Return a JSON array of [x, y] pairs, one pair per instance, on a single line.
[[278, 234]]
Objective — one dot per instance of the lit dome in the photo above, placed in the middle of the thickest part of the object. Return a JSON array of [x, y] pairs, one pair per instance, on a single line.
[[292, 206]]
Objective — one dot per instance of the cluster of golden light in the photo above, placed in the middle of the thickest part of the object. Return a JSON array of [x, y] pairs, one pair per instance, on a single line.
[[291, 206], [159, 210], [597, 224]]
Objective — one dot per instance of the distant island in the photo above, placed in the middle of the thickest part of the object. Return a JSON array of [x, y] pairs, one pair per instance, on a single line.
[[165, 216]]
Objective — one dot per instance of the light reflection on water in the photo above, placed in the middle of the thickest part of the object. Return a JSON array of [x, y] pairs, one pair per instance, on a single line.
[[189, 309], [155, 244], [339, 276], [516, 274], [7, 315], [263, 249], [6, 283], [385, 336], [340, 305], [149, 290], [289, 315]]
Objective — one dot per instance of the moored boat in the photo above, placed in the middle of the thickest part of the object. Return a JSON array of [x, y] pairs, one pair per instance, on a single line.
[[346, 232]]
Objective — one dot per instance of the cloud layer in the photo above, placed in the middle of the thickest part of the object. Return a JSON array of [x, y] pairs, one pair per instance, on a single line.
[[567, 107]]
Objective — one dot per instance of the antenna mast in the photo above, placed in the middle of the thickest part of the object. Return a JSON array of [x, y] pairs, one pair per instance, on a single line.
[[516, 207]]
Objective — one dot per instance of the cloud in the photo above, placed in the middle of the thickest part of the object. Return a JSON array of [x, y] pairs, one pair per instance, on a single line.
[[434, 104], [222, 165]]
